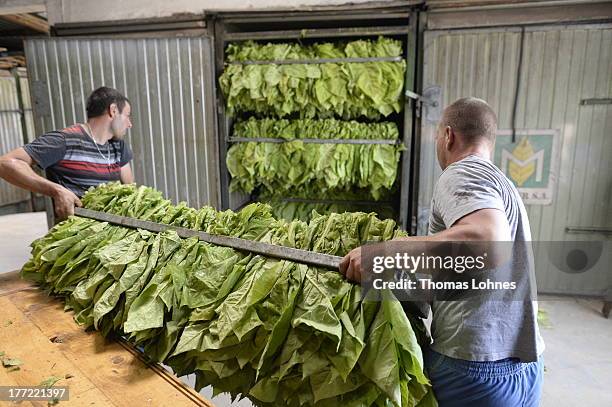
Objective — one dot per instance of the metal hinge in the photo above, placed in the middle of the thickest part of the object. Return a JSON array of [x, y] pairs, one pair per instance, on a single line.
[[430, 101], [413, 224]]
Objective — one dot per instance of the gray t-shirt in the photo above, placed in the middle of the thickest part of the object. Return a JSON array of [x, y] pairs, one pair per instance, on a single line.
[[484, 330]]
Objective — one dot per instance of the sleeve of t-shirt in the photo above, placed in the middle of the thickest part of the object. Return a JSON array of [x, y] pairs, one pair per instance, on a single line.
[[462, 190], [126, 154], [47, 149]]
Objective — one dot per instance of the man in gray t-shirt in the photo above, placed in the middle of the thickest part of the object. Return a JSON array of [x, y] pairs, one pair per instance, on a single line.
[[485, 351], [485, 329]]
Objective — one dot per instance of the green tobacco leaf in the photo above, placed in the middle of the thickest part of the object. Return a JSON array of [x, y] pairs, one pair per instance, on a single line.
[[49, 381], [8, 362]]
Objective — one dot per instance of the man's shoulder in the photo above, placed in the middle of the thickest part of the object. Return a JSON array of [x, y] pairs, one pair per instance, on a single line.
[[73, 132], [74, 129], [472, 162], [68, 134], [470, 169], [459, 172]]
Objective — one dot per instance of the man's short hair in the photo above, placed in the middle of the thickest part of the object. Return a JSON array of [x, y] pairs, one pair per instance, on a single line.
[[100, 100], [472, 119]]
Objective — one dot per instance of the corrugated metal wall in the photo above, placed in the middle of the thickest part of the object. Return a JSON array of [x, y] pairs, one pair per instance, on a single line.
[[562, 65], [11, 130], [27, 104], [170, 84]]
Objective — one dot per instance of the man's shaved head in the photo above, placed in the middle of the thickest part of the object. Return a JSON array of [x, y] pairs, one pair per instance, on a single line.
[[468, 127], [472, 119]]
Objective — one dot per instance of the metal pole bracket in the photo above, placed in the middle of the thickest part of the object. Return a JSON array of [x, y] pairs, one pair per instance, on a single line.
[[430, 101]]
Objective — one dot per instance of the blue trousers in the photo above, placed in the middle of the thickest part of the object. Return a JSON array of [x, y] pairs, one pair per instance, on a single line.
[[502, 383]]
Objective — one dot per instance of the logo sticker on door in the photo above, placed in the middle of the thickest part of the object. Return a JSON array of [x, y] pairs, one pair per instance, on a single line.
[[529, 162]]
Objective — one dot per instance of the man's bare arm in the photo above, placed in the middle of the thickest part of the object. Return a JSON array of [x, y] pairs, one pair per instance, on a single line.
[[483, 225], [16, 168], [126, 175]]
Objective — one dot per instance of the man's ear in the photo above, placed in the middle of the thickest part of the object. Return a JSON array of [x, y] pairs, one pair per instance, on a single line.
[[449, 137], [113, 110]]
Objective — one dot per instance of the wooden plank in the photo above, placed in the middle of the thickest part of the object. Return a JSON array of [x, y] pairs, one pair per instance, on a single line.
[[20, 6], [41, 358], [109, 373], [11, 282], [18, 61], [29, 21], [119, 374]]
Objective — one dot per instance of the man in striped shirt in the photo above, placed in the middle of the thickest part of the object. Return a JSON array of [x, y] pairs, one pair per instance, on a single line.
[[77, 157]]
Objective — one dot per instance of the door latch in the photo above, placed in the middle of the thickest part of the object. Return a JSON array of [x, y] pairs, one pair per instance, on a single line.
[[430, 101]]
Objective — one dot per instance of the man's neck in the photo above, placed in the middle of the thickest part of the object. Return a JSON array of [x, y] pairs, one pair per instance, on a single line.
[[99, 131], [481, 151]]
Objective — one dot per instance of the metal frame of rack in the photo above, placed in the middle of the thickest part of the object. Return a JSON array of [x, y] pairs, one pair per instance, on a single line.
[[317, 61], [309, 140], [227, 29]]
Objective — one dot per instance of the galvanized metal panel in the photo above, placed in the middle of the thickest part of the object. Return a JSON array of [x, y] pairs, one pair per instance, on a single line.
[[561, 66], [170, 84], [11, 133], [30, 133]]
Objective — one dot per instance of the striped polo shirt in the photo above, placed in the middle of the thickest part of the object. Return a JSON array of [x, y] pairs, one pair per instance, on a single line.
[[70, 158]]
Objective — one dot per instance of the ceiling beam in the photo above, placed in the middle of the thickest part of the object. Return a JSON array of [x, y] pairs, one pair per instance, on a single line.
[[29, 21], [18, 6]]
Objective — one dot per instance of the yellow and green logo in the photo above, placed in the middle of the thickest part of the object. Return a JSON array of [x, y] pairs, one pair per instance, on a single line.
[[526, 162]]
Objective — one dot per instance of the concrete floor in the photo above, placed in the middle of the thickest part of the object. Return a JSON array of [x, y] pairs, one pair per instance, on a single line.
[[578, 356], [16, 234]]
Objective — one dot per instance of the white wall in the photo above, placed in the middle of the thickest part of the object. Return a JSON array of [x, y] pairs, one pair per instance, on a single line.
[[70, 11]]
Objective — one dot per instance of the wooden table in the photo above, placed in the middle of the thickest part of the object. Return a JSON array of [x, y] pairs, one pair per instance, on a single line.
[[98, 372]]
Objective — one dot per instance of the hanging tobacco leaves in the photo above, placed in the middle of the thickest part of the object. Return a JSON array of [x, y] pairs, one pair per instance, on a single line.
[[310, 170], [345, 89]]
